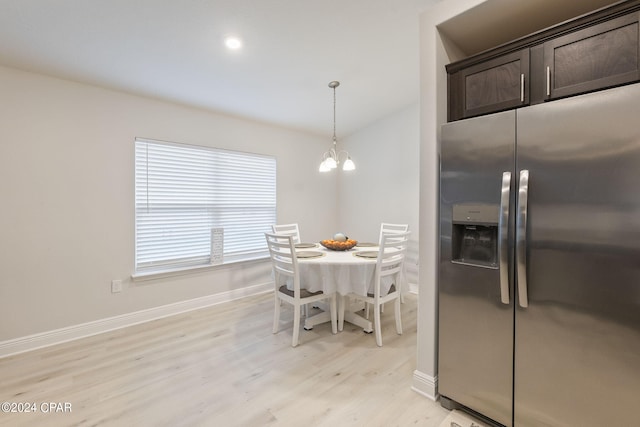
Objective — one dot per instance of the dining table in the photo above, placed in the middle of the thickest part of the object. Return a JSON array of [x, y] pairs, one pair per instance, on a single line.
[[342, 272]]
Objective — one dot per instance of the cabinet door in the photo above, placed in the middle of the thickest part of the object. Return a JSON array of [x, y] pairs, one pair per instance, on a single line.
[[495, 85], [597, 57]]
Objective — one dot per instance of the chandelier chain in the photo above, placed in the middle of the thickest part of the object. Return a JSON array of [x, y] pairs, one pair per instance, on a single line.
[[334, 114]]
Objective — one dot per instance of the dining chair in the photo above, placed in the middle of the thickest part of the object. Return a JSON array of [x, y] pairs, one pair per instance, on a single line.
[[287, 272], [289, 230], [388, 270], [390, 228]]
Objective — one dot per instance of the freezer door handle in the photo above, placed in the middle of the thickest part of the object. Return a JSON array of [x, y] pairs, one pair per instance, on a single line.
[[503, 236], [521, 238]]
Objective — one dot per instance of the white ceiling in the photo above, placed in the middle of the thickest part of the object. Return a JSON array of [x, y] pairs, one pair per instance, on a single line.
[[173, 49]]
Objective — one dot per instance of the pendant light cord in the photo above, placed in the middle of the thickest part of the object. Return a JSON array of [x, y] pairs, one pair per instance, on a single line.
[[333, 85], [334, 116]]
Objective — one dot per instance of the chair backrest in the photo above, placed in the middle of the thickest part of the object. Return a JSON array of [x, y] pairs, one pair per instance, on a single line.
[[388, 228], [393, 249], [284, 259], [288, 230]]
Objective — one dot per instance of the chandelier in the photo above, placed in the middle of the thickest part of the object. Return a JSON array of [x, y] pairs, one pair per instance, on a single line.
[[331, 158]]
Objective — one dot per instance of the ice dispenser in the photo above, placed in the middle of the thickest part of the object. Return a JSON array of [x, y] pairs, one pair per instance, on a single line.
[[475, 235]]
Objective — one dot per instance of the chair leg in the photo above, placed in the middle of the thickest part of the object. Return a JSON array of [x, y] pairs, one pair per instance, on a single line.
[[276, 314], [296, 326], [398, 316], [377, 324], [334, 315], [367, 305]]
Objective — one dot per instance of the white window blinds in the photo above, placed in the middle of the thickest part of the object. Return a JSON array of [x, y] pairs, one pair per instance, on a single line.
[[184, 191]]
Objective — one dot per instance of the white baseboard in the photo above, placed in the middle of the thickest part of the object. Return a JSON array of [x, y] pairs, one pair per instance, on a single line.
[[425, 385], [70, 333]]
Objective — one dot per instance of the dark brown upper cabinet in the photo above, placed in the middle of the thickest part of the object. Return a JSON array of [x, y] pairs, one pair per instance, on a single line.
[[494, 85], [597, 57], [591, 52]]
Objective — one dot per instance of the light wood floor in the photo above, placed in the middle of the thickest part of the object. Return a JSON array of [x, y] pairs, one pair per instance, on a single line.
[[222, 366]]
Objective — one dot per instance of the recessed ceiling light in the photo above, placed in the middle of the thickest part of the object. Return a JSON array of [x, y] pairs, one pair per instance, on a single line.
[[233, 43]]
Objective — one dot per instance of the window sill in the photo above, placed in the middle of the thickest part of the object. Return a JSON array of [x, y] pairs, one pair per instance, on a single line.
[[183, 271]]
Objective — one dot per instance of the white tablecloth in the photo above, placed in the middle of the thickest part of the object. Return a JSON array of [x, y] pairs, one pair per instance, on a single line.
[[340, 271], [344, 273]]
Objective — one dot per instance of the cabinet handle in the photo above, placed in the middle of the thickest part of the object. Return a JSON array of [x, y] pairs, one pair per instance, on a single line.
[[522, 87], [548, 81]]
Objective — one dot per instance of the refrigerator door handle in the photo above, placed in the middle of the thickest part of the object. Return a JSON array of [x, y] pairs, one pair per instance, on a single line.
[[503, 236], [521, 238]]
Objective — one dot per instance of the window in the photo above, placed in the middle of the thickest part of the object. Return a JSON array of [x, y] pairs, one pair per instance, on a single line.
[[184, 191]]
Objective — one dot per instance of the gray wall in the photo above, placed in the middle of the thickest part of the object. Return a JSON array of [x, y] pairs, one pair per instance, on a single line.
[[66, 185], [385, 187], [67, 223]]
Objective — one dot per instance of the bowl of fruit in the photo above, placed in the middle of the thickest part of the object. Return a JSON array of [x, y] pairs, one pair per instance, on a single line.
[[340, 242]]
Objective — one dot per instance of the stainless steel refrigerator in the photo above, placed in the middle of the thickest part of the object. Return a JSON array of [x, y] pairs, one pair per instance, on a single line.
[[539, 273]]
